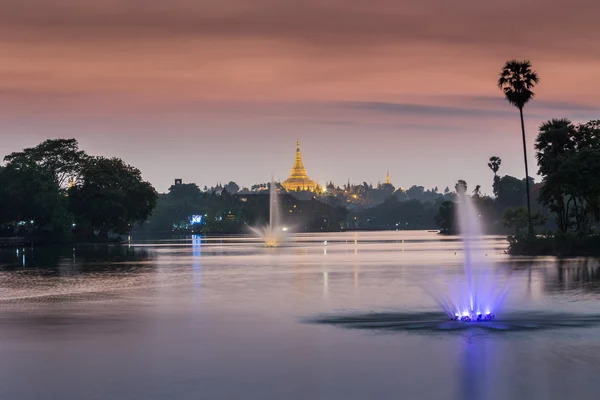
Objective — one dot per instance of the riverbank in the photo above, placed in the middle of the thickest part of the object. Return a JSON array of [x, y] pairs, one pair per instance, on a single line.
[[560, 245], [12, 242]]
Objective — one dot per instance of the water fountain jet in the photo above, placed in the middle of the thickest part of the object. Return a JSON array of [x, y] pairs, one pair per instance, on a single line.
[[272, 234], [474, 298]]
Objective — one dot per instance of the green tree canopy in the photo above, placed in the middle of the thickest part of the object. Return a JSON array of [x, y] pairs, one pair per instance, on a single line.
[[232, 187], [29, 196], [111, 196], [517, 219], [510, 191], [555, 138], [60, 159], [568, 159], [446, 217]]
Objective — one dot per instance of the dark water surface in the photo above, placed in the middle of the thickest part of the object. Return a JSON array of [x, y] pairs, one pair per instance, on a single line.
[[229, 319]]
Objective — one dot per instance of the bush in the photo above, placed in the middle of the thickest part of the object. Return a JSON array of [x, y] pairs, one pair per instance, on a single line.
[[561, 245]]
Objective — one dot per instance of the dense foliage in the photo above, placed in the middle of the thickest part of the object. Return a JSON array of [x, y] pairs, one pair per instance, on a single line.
[[517, 80], [568, 158], [60, 159], [185, 208], [55, 191], [111, 196], [569, 163]]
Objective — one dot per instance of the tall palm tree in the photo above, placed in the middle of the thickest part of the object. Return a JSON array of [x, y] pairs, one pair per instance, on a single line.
[[494, 165], [517, 80]]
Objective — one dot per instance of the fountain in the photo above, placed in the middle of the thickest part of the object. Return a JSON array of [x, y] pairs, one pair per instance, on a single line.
[[470, 301], [273, 234], [474, 298]]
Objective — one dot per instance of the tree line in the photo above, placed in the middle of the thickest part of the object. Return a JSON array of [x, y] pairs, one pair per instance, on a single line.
[[55, 191], [185, 208]]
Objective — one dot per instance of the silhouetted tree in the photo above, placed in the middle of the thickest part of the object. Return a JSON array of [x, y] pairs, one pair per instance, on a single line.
[[111, 196], [494, 165], [445, 218], [60, 159], [517, 80], [510, 191], [232, 187], [31, 201], [555, 139], [518, 220], [460, 187], [415, 192]]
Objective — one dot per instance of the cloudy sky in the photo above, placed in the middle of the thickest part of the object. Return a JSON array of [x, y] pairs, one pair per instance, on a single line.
[[220, 90]]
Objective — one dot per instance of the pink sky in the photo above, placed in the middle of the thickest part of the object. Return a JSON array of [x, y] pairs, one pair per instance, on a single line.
[[219, 91]]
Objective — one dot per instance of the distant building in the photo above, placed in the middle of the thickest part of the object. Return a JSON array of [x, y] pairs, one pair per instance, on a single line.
[[178, 181], [298, 179], [218, 189]]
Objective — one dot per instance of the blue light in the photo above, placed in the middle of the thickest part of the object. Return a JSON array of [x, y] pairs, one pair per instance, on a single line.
[[196, 219], [472, 316]]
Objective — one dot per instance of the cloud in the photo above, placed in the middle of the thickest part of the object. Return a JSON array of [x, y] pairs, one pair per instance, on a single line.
[[535, 104], [426, 110], [479, 107], [386, 57], [336, 24]]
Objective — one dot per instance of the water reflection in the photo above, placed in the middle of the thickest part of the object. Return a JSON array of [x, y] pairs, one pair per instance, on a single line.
[[473, 374], [197, 260], [207, 317], [578, 274], [79, 258]]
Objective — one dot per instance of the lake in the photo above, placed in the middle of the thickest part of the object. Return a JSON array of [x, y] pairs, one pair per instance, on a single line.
[[227, 318]]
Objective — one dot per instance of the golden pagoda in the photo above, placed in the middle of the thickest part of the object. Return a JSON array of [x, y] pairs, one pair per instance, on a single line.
[[299, 179]]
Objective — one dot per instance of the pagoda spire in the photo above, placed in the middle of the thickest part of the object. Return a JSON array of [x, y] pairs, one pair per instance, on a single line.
[[298, 163], [298, 178], [387, 178]]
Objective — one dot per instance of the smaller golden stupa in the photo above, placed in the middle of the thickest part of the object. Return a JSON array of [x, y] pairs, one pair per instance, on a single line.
[[299, 179]]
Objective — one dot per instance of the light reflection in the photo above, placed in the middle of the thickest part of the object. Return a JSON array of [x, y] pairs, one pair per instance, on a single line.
[[196, 260]]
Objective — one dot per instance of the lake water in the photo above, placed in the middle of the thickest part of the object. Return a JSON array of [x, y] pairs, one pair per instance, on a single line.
[[227, 318]]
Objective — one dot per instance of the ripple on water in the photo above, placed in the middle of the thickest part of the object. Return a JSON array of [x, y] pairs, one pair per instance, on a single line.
[[438, 322]]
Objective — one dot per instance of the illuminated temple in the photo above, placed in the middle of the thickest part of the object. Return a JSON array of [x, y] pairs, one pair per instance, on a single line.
[[298, 179]]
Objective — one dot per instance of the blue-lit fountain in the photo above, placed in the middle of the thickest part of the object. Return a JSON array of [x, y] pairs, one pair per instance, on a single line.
[[274, 233], [471, 297]]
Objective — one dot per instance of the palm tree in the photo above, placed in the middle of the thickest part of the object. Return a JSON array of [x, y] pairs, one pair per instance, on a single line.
[[517, 80], [494, 165], [461, 187]]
